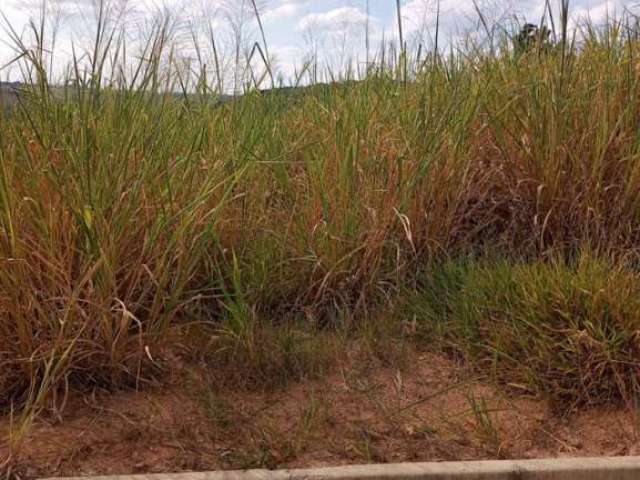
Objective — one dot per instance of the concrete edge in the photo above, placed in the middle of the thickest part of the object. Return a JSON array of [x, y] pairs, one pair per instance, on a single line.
[[604, 468]]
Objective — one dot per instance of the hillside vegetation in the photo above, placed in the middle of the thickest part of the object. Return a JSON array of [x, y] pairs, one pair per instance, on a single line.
[[489, 199]]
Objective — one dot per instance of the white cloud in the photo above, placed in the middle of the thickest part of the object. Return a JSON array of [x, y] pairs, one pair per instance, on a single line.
[[598, 11], [284, 9], [455, 16], [281, 12], [338, 19]]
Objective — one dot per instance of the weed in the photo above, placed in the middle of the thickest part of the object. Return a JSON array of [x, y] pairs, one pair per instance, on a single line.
[[485, 426], [130, 212], [565, 330], [217, 409]]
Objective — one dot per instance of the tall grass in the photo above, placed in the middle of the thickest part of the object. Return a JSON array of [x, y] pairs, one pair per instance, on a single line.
[[127, 212]]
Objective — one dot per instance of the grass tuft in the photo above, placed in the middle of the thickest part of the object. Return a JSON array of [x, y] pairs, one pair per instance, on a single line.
[[568, 331]]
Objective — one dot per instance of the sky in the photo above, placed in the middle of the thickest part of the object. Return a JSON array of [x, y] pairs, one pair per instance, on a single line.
[[335, 29]]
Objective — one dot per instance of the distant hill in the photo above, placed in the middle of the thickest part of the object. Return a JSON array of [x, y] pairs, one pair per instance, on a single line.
[[9, 92]]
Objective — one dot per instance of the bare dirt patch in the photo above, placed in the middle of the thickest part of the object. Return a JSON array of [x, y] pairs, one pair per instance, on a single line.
[[427, 409]]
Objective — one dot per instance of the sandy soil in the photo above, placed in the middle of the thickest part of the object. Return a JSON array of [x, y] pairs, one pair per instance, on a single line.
[[428, 410]]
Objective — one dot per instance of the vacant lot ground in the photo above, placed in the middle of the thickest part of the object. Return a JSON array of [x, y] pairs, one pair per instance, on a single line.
[[440, 260], [421, 407]]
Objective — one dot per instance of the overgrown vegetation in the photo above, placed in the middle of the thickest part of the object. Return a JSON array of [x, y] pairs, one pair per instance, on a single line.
[[566, 330], [136, 224]]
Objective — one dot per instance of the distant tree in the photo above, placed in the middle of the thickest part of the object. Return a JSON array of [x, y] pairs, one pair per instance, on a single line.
[[532, 37]]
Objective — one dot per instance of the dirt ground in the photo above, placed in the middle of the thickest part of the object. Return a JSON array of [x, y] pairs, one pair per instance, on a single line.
[[428, 410]]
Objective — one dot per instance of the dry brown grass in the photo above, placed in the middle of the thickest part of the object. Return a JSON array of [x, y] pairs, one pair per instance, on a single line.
[[128, 216]]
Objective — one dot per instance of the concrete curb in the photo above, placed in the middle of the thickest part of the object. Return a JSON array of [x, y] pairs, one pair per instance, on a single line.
[[612, 468]]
